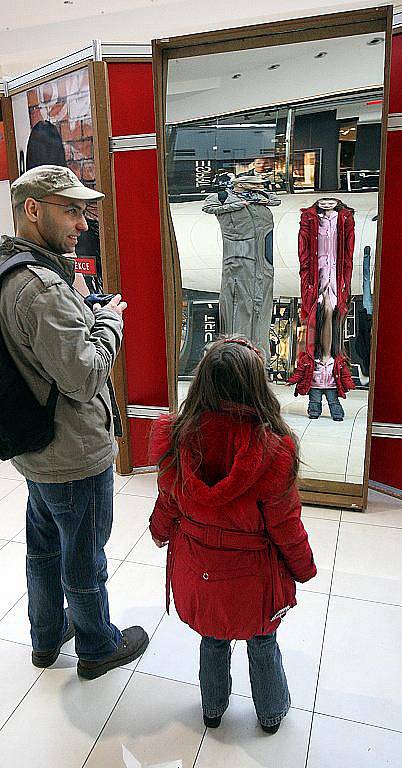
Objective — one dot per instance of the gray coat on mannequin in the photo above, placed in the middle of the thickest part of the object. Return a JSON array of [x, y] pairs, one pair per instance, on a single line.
[[246, 222]]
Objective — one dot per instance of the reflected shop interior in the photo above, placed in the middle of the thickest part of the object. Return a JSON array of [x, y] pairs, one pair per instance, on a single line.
[[255, 137]]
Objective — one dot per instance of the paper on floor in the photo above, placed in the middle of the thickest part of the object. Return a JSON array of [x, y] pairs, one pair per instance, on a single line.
[[131, 762]]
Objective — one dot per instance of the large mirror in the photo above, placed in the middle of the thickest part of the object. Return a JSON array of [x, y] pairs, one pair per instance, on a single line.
[[272, 171]]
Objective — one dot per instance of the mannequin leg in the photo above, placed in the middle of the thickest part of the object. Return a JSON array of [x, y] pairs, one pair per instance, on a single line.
[[326, 334], [314, 409], [335, 408]]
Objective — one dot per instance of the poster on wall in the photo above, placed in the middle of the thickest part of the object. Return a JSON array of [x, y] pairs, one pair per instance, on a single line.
[[53, 125]]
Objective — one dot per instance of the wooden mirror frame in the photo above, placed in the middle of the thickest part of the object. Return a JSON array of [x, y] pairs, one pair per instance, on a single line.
[[366, 21]]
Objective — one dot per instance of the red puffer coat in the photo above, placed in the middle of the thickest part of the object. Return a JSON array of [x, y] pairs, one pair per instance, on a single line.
[[303, 375], [236, 541]]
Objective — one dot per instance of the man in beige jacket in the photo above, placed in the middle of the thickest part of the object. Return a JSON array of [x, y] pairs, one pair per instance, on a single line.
[[52, 336]]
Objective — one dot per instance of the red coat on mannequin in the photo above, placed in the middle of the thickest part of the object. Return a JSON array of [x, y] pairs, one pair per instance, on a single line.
[[308, 257]]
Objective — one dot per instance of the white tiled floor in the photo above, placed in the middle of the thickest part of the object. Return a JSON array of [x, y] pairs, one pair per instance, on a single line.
[[340, 645]]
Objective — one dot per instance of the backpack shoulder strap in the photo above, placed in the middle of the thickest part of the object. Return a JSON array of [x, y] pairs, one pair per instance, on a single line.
[[29, 258]]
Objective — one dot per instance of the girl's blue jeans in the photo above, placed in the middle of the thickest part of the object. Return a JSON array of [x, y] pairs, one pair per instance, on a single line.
[[267, 677]]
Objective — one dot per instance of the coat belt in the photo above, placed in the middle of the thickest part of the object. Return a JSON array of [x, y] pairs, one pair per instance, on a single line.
[[211, 536], [221, 538]]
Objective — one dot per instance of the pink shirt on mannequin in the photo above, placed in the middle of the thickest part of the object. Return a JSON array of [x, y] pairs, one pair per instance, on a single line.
[[323, 376], [327, 255]]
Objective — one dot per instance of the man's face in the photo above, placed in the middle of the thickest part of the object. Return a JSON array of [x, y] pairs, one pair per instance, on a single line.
[[327, 204], [261, 164], [60, 222]]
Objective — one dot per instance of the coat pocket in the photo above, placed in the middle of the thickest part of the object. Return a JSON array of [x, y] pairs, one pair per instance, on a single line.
[[283, 585], [221, 600], [205, 573]]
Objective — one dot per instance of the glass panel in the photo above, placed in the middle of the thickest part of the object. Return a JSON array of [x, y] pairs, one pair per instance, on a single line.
[[273, 173]]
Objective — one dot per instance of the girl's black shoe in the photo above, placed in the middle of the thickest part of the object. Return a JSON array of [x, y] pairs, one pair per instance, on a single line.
[[270, 728], [212, 722]]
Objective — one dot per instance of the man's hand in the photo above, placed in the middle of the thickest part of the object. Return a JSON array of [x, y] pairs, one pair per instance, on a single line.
[[116, 305], [159, 543]]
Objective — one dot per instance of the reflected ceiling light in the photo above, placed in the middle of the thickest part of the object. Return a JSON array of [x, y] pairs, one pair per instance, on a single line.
[[274, 66], [247, 125], [321, 54], [236, 76], [375, 41]]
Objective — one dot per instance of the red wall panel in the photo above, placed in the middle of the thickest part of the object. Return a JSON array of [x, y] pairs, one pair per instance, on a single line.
[[386, 461], [141, 276], [387, 393], [395, 93], [131, 98], [386, 453], [140, 431], [136, 186]]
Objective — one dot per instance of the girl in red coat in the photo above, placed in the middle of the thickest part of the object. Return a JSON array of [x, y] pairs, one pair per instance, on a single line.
[[229, 508]]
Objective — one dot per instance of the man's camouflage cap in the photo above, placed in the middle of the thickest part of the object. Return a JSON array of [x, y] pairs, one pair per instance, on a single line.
[[47, 180]]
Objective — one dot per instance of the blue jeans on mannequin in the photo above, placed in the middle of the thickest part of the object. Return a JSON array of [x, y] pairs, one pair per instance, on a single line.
[[68, 525], [267, 677]]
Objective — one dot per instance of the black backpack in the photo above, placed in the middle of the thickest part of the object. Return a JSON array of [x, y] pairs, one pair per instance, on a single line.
[[25, 424]]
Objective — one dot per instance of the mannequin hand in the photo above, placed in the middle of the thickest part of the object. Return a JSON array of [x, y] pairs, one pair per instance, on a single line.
[[159, 543]]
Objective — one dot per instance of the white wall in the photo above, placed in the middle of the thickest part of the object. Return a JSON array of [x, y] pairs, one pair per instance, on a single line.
[[6, 216]]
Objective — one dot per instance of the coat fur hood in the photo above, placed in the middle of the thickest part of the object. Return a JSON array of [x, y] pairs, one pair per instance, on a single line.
[[232, 432]]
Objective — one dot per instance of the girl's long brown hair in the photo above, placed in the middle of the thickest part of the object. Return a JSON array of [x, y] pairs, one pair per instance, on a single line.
[[231, 372]]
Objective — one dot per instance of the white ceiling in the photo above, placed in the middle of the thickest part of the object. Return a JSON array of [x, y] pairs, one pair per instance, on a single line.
[[33, 33], [200, 86]]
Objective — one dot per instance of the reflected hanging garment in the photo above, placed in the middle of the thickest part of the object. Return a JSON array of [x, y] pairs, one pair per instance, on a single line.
[[247, 286]]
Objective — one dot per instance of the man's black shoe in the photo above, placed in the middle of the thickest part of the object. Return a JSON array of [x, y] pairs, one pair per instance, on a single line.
[[134, 643], [270, 728], [47, 658], [212, 722]]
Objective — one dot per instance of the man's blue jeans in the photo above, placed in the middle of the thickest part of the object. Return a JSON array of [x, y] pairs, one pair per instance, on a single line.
[[68, 525], [267, 677]]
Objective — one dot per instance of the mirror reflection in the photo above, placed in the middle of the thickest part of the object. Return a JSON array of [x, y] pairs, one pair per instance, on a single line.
[[273, 178]]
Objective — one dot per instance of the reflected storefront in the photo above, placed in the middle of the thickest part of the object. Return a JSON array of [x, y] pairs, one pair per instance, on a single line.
[[289, 146]]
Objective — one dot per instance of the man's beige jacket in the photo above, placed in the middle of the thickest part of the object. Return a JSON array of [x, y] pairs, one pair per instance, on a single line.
[[53, 336]]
